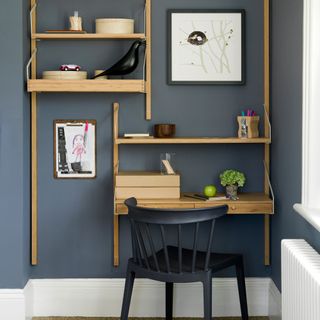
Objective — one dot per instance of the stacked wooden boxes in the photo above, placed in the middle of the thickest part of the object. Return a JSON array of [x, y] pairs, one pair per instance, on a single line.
[[147, 185]]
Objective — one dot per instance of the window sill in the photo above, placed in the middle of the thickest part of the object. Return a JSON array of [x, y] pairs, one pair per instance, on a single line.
[[311, 215]]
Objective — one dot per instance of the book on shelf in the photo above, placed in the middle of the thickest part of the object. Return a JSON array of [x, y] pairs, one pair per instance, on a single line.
[[137, 135], [66, 31], [205, 198]]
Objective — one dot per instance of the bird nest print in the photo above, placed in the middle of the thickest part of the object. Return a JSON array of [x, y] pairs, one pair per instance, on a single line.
[[207, 47]]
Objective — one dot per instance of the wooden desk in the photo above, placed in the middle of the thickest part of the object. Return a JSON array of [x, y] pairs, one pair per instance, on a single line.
[[248, 204]]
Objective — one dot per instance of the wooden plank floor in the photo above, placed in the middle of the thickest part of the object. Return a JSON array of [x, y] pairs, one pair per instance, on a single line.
[[85, 318]]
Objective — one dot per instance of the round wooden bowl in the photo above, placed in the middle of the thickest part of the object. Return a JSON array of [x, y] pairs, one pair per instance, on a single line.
[[64, 75], [164, 130]]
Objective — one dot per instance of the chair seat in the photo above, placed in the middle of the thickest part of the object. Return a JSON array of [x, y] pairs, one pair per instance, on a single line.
[[217, 261]]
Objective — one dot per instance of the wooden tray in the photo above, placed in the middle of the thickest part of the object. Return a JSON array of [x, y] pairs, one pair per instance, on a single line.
[[64, 75]]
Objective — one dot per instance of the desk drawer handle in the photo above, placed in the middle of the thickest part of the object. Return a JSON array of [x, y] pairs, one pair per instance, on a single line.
[[233, 208]]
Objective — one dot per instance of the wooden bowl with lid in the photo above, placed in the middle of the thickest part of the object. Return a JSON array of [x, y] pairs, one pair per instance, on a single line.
[[164, 130]]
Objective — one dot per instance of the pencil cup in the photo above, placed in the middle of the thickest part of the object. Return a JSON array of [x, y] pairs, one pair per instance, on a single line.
[[248, 127]]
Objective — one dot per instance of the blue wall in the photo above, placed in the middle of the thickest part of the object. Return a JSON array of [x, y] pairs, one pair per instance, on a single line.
[[287, 44], [14, 240], [75, 217]]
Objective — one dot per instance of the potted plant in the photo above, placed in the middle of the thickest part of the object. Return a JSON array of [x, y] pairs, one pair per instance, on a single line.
[[232, 179]]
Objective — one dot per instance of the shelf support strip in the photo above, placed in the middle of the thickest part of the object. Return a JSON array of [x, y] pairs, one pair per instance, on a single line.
[[33, 55], [33, 8], [268, 120], [270, 186]]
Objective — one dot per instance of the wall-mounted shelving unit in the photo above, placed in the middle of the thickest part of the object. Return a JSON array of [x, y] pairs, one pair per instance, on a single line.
[[250, 203], [36, 86]]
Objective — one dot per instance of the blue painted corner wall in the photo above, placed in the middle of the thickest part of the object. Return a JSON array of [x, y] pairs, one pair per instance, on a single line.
[[75, 217]]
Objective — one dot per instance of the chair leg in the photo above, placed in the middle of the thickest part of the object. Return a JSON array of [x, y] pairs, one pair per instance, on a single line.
[[207, 296], [127, 293], [169, 300], [242, 290]]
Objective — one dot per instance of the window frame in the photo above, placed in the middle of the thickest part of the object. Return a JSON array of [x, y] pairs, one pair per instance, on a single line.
[[310, 206]]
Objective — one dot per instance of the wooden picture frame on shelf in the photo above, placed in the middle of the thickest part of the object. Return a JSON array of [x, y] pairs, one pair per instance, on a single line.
[[75, 149], [206, 47]]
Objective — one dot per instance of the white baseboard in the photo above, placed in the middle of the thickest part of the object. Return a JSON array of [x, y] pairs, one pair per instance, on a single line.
[[28, 296], [12, 304], [274, 302], [103, 297]]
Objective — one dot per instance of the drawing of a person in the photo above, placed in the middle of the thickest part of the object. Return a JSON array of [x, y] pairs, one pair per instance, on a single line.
[[79, 147]]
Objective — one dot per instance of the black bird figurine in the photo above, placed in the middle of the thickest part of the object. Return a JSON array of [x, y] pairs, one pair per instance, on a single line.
[[127, 64]]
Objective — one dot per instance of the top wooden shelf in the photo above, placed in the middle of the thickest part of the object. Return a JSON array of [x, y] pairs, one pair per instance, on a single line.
[[86, 36]]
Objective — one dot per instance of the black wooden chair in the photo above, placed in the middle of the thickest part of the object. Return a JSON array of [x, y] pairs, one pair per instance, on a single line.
[[153, 232]]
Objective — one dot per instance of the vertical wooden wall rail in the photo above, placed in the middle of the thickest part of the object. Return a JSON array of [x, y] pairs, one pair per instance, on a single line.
[[148, 60], [34, 150], [266, 124], [115, 171]]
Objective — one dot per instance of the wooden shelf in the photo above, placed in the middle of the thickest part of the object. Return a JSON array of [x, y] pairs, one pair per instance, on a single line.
[[248, 203], [130, 86], [192, 140], [85, 36]]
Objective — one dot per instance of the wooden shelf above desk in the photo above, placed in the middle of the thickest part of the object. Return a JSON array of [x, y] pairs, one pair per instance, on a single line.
[[248, 203], [128, 86], [192, 140], [86, 36]]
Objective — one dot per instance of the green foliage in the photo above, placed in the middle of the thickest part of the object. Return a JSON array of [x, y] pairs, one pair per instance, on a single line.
[[232, 177]]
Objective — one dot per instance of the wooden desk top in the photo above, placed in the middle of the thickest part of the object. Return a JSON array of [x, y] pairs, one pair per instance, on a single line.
[[248, 203]]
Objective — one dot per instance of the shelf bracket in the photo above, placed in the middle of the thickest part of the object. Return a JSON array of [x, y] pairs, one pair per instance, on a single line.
[[270, 186], [268, 120], [144, 76], [29, 63], [148, 58], [145, 19], [31, 17], [267, 219]]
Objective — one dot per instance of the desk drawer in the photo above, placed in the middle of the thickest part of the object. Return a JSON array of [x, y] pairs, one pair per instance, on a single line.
[[242, 208], [173, 206], [122, 209]]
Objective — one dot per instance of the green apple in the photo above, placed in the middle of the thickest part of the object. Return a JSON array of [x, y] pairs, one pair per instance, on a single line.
[[210, 191]]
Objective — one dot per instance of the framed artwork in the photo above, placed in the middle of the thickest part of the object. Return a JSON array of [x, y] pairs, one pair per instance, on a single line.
[[206, 47], [75, 149]]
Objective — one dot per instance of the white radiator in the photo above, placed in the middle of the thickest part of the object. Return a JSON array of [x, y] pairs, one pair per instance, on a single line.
[[300, 281]]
